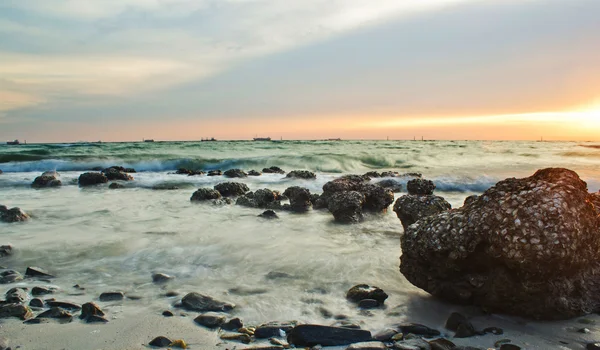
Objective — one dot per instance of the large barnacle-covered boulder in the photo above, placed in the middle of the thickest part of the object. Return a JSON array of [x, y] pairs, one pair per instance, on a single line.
[[527, 247]]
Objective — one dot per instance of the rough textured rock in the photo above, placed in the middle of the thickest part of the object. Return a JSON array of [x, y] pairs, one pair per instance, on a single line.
[[254, 173], [90, 179], [262, 198], [235, 173], [391, 184], [300, 198], [120, 168], [160, 342], [232, 189], [411, 208], [90, 309], [210, 320], [214, 173], [301, 174], [527, 247], [346, 207], [420, 187], [161, 278], [115, 174], [16, 295], [202, 303], [12, 215], [204, 194], [47, 179], [15, 310], [273, 170], [377, 198], [364, 291], [311, 335]]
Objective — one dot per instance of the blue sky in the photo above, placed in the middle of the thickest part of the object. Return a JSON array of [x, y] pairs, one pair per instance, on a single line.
[[182, 69]]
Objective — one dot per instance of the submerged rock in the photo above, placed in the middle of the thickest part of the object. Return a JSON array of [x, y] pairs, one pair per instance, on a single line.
[[90, 179], [311, 335], [10, 276], [111, 296], [300, 198], [116, 186], [203, 194], [161, 278], [301, 174], [231, 189], [391, 184], [116, 174], [235, 173], [6, 250], [214, 173], [47, 179], [527, 247], [411, 208], [254, 173], [202, 303], [269, 214], [346, 207], [12, 215], [33, 271], [273, 170], [364, 291], [262, 198]]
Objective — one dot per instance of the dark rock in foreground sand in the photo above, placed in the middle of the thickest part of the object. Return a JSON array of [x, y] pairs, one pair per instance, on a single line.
[[231, 189], [210, 320], [90, 179], [160, 342], [364, 291], [301, 174], [527, 247], [16, 295], [203, 194], [64, 305], [90, 309], [311, 335], [12, 215], [411, 208], [202, 303]]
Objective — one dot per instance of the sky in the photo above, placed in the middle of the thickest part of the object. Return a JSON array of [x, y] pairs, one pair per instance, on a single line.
[[117, 70]]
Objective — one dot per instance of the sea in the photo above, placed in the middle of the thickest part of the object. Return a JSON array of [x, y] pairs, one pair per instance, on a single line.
[[297, 267]]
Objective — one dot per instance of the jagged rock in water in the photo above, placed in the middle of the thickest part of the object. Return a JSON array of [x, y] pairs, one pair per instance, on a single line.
[[33, 271], [10, 276], [115, 174], [391, 184], [527, 247], [377, 198], [262, 198], [273, 170], [254, 173], [232, 189], [235, 173], [420, 187], [300, 198], [346, 207], [12, 215], [214, 173], [301, 174], [16, 295], [90, 179], [47, 179], [411, 208], [204, 194]]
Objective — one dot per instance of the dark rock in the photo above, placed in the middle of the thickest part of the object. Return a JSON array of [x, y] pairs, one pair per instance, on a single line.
[[161, 278], [10, 276], [233, 324], [183, 171], [119, 168], [160, 342], [196, 173], [301, 174], [235, 173], [214, 173], [411, 209], [300, 198], [210, 320], [165, 186], [12, 215], [37, 321], [420, 187], [368, 304], [0, 172], [371, 345], [116, 186], [364, 291], [391, 184], [96, 319], [441, 344], [6, 250], [511, 347], [526, 247], [90, 309], [593, 346], [346, 207], [272, 329], [254, 173], [222, 201], [310, 335], [167, 313], [56, 312], [471, 199], [15, 310], [35, 291], [461, 325], [377, 198], [16, 295], [36, 302], [232, 189], [202, 303], [33, 271], [385, 335], [46, 180], [111, 296], [114, 174], [346, 324], [63, 305], [90, 179], [412, 344], [203, 194], [417, 329], [273, 170], [265, 198], [269, 214]]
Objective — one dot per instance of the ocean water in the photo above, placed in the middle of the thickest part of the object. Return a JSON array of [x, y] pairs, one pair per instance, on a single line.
[[113, 240]]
